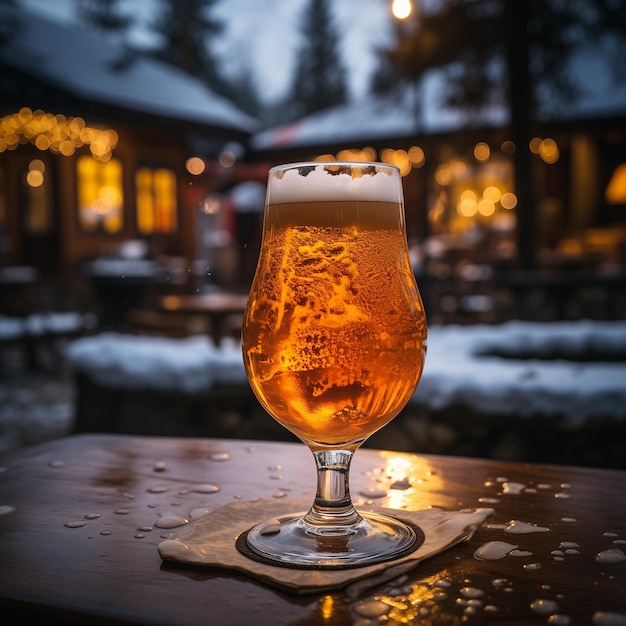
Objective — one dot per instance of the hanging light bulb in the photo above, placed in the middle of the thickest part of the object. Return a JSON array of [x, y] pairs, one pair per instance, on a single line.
[[401, 9]]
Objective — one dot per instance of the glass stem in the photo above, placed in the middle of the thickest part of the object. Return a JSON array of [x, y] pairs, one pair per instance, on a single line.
[[333, 505]]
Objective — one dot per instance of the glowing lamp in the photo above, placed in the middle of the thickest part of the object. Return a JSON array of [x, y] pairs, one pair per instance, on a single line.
[[615, 192]]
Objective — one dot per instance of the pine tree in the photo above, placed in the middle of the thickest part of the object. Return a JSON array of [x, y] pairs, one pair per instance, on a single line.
[[104, 15], [188, 29], [242, 91], [320, 77], [506, 50], [10, 26]]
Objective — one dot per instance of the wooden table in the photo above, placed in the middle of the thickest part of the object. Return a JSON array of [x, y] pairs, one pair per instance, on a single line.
[[215, 307], [80, 545]]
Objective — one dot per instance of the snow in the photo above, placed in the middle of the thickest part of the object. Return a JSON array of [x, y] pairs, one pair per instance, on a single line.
[[458, 369], [411, 112], [91, 68], [191, 365], [379, 117], [47, 323]]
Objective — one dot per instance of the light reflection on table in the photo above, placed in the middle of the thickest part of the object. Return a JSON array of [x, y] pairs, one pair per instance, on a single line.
[[57, 574]]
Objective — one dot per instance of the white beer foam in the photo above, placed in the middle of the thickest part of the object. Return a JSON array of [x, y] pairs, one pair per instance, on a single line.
[[319, 184]]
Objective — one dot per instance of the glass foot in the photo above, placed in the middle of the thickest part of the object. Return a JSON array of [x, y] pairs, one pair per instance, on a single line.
[[295, 543]]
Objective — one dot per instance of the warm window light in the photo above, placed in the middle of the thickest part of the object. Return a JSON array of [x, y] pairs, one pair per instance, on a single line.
[[100, 195], [401, 9], [615, 192], [155, 200]]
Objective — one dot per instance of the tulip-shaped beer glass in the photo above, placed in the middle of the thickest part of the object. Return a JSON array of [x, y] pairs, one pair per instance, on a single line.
[[334, 341]]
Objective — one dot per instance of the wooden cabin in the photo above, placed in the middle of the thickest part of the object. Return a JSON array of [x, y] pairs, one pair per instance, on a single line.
[[100, 147]]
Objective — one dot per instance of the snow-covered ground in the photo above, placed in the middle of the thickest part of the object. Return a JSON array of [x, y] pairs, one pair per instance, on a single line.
[[461, 369], [473, 366]]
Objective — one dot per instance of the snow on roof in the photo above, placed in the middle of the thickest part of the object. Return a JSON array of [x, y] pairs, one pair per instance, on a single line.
[[406, 112], [412, 112], [89, 68], [458, 370]]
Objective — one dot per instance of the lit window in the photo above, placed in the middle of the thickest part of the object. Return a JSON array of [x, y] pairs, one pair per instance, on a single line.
[[156, 200], [100, 195]]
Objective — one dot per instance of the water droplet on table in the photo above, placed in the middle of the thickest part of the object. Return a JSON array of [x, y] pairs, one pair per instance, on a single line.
[[515, 527], [493, 550], [558, 619], [6, 508], [373, 492], [471, 592], [220, 456], [606, 618], [520, 553], [488, 500], [544, 607], [75, 524], [170, 520], [612, 555], [159, 489], [206, 488], [511, 488]]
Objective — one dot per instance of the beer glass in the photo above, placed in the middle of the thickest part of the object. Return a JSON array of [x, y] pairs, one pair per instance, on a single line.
[[334, 341]]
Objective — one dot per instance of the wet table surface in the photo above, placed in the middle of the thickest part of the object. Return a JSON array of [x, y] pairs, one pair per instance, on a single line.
[[78, 542]]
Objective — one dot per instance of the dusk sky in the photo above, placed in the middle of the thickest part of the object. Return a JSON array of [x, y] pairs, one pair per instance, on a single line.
[[264, 35]]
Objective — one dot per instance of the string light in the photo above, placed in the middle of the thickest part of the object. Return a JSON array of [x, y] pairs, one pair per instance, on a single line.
[[56, 133]]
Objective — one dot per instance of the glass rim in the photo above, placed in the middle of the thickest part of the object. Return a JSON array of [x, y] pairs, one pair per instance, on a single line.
[[362, 164]]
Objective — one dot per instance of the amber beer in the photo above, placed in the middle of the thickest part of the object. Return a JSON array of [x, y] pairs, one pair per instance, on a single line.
[[334, 338]]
